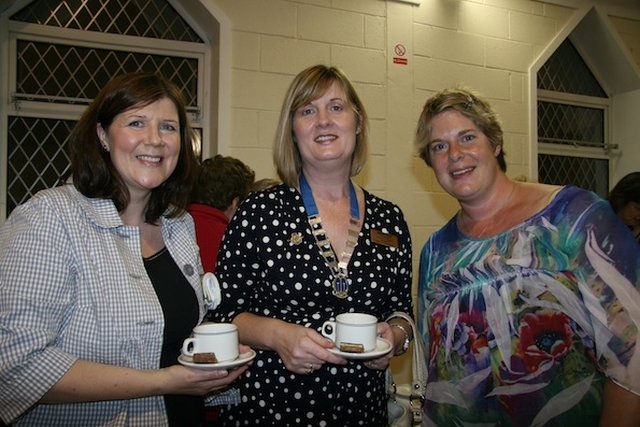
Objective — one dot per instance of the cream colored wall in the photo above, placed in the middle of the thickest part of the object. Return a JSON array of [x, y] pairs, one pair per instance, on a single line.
[[629, 31], [487, 45]]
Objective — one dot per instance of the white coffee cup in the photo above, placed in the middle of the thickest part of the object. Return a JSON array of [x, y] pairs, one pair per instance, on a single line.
[[357, 329], [218, 338]]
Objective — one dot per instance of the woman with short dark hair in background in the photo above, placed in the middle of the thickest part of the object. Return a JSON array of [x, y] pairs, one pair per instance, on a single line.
[[625, 201], [223, 183]]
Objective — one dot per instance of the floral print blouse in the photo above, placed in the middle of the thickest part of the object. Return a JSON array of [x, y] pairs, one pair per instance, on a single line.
[[523, 327]]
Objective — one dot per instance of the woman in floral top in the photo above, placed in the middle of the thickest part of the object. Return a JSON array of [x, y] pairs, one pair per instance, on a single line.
[[528, 298]]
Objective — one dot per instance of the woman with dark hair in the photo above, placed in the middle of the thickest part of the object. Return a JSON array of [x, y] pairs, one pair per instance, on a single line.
[[625, 201], [100, 278]]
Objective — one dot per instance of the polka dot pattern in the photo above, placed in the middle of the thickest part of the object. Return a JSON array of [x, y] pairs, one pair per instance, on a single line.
[[270, 265]]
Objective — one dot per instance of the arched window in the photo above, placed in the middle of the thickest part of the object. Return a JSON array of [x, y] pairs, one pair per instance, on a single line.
[[579, 88], [62, 53], [572, 112]]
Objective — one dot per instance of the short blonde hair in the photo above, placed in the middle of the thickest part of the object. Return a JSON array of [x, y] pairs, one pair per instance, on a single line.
[[473, 106], [308, 85]]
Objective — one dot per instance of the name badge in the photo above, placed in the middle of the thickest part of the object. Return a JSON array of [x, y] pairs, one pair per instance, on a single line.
[[385, 239]]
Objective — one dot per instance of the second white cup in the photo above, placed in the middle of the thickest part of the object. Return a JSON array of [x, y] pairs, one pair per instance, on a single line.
[[352, 329], [218, 338]]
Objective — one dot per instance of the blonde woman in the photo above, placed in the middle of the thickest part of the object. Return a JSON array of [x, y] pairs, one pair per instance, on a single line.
[[528, 297], [301, 252]]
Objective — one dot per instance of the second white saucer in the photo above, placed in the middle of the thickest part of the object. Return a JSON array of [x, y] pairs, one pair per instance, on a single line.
[[382, 347]]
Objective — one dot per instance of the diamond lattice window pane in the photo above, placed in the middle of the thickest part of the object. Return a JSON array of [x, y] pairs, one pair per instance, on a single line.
[[590, 174], [570, 124], [567, 72], [141, 18], [79, 72], [37, 156]]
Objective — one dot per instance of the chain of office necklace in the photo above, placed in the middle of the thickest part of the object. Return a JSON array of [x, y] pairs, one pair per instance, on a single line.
[[513, 186], [338, 266]]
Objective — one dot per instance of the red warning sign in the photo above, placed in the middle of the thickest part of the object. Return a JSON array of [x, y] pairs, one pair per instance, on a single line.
[[400, 51]]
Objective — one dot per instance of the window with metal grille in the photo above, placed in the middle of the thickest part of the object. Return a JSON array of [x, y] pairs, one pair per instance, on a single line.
[[572, 123], [148, 18], [565, 71], [584, 172], [37, 158], [58, 71], [74, 74]]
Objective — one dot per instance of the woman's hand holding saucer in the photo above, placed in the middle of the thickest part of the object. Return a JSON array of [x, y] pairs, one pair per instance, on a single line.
[[303, 350], [197, 382]]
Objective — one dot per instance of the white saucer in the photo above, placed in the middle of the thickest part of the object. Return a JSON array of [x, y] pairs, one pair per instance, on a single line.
[[240, 360], [382, 347]]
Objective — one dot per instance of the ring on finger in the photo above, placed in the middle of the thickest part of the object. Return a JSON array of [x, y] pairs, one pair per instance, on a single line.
[[310, 369]]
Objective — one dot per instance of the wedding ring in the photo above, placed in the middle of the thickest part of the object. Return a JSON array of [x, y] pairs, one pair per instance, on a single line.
[[310, 370]]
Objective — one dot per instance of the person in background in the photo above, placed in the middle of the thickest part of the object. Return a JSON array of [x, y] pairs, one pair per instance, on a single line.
[[100, 277], [303, 251], [625, 201], [261, 184], [223, 182], [528, 297]]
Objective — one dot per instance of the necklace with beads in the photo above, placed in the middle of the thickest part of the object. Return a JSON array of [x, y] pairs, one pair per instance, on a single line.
[[341, 281], [479, 236]]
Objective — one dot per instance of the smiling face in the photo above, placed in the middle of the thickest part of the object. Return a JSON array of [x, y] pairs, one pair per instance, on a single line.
[[461, 156], [144, 145], [325, 129]]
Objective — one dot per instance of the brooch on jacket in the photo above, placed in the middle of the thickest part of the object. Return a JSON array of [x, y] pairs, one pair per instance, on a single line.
[[295, 239]]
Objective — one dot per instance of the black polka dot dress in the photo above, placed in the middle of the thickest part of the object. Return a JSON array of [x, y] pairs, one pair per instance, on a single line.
[[270, 265]]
